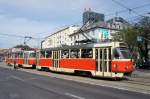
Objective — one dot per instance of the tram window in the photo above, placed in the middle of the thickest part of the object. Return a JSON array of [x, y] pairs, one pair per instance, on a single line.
[[74, 53], [96, 53], [87, 53], [125, 53], [109, 53], [18, 55], [116, 54], [9, 55], [15, 54], [21, 56], [121, 53], [42, 54], [105, 53], [48, 54], [65, 54], [101, 57], [32, 55]]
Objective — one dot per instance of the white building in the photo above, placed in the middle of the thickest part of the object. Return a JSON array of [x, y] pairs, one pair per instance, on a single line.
[[59, 38], [117, 23], [72, 35], [98, 34]]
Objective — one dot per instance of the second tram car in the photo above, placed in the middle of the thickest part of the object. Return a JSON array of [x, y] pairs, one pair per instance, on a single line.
[[21, 58]]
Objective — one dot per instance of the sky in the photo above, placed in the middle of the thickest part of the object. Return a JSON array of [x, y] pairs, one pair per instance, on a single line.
[[40, 18]]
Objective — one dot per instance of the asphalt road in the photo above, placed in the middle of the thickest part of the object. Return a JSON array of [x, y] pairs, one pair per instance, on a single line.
[[16, 84]]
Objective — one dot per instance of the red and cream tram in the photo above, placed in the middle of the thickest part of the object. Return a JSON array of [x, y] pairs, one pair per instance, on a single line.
[[21, 58], [107, 59]]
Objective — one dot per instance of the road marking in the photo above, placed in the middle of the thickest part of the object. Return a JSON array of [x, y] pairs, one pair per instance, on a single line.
[[14, 96], [18, 78], [75, 96]]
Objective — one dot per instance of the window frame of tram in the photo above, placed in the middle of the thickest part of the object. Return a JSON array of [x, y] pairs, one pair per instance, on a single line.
[[32, 55], [75, 53], [48, 54], [20, 55], [45, 54], [15, 55], [42, 54], [87, 53], [115, 54], [121, 53], [65, 54]]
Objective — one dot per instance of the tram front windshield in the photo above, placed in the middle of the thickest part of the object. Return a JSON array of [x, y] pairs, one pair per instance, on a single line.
[[121, 53]]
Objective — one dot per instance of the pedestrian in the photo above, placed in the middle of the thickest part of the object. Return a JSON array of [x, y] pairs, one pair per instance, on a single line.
[[15, 67]]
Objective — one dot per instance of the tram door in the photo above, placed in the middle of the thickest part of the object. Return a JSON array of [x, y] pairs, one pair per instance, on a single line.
[[103, 60], [26, 58], [56, 57], [38, 53]]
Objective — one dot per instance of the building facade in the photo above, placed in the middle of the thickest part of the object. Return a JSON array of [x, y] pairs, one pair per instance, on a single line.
[[94, 29], [95, 34], [117, 23], [75, 35], [59, 38]]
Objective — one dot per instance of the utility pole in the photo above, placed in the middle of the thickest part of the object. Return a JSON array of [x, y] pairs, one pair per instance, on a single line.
[[26, 39]]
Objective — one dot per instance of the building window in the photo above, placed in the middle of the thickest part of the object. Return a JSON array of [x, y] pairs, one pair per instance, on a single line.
[[75, 37], [71, 39]]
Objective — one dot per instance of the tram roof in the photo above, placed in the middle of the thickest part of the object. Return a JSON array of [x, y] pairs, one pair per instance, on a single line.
[[91, 45]]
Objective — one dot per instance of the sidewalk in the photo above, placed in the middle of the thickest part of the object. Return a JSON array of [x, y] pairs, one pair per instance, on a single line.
[[141, 73]]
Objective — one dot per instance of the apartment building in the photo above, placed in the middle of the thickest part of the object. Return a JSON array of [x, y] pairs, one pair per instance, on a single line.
[[60, 38]]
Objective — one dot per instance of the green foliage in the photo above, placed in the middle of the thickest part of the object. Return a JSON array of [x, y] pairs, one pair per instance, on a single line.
[[144, 29], [129, 36]]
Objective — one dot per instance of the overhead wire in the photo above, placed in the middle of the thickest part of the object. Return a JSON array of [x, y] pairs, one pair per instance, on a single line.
[[11, 35], [129, 9], [18, 36]]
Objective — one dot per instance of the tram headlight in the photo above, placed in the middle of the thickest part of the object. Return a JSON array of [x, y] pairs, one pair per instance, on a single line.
[[126, 67], [115, 65]]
